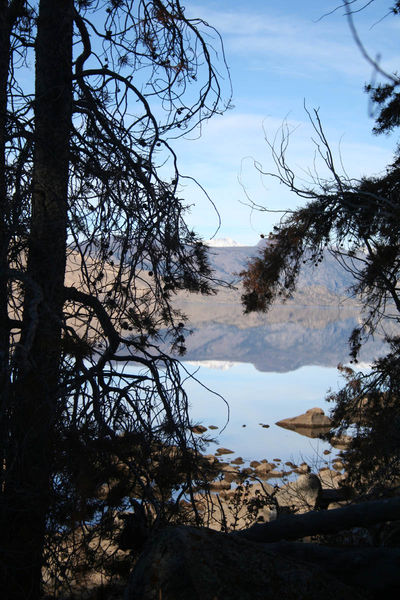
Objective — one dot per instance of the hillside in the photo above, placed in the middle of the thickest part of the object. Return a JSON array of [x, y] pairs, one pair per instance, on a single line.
[[228, 261], [310, 329]]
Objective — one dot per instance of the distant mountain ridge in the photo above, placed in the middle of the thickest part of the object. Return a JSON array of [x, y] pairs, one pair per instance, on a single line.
[[229, 261]]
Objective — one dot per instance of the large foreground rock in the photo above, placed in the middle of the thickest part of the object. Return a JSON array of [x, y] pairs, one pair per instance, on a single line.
[[184, 563]]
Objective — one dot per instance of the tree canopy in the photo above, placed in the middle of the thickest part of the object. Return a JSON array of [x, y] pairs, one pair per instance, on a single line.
[[93, 244], [358, 221]]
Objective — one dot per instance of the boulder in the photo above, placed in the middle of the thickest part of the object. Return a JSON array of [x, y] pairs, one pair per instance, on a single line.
[[329, 478], [312, 418], [234, 509], [183, 563], [237, 461], [263, 470], [341, 442], [222, 484], [303, 494], [231, 474], [303, 468]]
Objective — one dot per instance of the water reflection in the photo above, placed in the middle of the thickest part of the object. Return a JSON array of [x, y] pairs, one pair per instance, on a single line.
[[257, 399], [309, 336], [269, 372]]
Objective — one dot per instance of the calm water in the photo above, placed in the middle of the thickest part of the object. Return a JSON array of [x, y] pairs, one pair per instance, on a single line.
[[267, 372], [256, 397]]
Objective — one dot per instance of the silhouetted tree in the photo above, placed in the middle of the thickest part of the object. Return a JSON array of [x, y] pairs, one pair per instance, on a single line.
[[358, 221], [93, 244]]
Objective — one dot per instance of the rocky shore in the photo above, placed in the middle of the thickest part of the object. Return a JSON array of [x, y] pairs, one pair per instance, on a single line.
[[248, 510]]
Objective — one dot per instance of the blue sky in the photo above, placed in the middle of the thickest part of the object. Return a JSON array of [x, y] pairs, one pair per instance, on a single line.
[[281, 55]]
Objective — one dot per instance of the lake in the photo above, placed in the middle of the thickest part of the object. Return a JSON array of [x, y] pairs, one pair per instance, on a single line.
[[256, 398], [278, 380]]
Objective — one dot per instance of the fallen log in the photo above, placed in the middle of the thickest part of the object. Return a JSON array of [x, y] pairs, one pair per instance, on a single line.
[[294, 527], [254, 564]]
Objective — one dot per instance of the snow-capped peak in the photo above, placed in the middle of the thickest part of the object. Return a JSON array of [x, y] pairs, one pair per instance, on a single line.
[[221, 242]]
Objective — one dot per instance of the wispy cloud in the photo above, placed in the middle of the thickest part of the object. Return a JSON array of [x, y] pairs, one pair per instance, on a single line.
[[265, 37], [279, 54]]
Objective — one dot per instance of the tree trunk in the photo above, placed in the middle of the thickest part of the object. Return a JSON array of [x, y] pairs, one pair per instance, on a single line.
[[4, 233], [36, 393]]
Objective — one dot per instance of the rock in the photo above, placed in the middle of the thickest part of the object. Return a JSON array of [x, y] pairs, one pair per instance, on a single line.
[[210, 458], [222, 484], [276, 474], [314, 418], [238, 508], [231, 475], [303, 493], [237, 461], [338, 465], [223, 451], [329, 478], [303, 468], [198, 429], [341, 442], [246, 472], [263, 469], [183, 563], [262, 473]]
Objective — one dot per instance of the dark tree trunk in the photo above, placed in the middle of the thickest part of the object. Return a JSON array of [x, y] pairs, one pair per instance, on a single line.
[[4, 233], [36, 393], [10, 12]]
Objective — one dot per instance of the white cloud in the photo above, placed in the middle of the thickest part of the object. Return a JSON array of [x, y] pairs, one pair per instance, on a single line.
[[265, 37], [278, 56], [227, 152]]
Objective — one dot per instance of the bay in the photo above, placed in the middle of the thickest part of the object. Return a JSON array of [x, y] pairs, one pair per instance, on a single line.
[[258, 398], [286, 367], [273, 366]]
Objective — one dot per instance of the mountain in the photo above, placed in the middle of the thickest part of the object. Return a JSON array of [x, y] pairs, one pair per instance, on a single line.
[[228, 261], [310, 329]]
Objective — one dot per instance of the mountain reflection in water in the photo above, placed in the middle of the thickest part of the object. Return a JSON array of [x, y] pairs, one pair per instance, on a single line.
[[270, 371], [313, 336], [271, 367]]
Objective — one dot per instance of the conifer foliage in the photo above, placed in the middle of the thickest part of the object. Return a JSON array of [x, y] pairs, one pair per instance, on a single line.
[[93, 245], [358, 221]]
